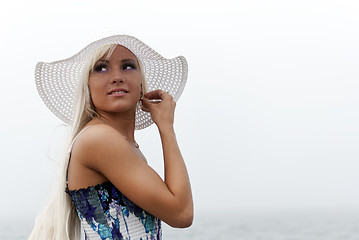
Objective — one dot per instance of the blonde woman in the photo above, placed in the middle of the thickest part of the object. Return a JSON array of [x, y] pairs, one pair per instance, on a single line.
[[106, 185]]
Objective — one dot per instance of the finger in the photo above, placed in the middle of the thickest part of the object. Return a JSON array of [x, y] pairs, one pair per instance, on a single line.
[[146, 105], [154, 100], [157, 94]]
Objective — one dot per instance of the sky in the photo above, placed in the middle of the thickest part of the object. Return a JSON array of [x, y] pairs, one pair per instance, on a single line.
[[268, 119]]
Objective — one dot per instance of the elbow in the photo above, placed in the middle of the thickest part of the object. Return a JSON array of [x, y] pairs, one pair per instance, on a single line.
[[184, 219], [186, 222]]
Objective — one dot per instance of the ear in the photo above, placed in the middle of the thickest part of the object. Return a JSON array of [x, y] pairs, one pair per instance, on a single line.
[[141, 92]]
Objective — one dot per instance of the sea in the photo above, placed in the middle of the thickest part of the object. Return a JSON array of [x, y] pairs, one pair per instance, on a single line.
[[295, 225]]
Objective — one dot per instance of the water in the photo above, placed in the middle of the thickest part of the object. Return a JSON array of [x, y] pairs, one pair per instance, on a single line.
[[272, 226], [241, 226]]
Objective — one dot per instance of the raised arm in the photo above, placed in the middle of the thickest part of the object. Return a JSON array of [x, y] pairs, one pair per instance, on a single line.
[[104, 150], [176, 175]]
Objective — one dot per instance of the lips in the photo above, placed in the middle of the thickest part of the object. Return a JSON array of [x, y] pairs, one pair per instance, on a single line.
[[117, 91]]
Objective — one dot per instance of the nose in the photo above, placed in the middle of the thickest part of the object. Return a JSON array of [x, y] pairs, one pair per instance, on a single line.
[[117, 77], [117, 80]]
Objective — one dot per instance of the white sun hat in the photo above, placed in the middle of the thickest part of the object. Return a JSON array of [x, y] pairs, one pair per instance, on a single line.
[[56, 82]]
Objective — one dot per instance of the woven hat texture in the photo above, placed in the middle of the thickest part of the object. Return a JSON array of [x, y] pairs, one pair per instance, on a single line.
[[56, 82]]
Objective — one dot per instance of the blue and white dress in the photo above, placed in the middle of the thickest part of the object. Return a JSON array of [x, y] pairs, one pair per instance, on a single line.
[[106, 213]]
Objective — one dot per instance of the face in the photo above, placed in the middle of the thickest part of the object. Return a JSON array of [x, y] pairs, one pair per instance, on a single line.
[[115, 82]]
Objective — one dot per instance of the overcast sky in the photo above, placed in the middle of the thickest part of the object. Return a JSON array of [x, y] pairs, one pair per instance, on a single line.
[[269, 118]]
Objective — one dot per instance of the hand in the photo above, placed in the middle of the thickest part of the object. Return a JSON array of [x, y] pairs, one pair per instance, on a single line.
[[162, 112]]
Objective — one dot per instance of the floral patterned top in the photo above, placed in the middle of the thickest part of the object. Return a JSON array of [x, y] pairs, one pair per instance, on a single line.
[[106, 213]]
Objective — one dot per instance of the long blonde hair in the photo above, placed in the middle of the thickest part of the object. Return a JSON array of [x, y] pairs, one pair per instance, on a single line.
[[59, 220]]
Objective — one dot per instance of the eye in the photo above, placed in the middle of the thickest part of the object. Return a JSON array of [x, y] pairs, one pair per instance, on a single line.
[[128, 66], [100, 68]]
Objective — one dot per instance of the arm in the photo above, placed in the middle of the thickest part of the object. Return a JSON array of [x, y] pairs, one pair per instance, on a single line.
[[176, 175]]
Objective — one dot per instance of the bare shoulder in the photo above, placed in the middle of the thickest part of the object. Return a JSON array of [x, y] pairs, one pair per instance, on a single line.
[[97, 134], [98, 141]]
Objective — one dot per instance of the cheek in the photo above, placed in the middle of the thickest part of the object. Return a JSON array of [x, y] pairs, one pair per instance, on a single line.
[[95, 85], [94, 89], [136, 85]]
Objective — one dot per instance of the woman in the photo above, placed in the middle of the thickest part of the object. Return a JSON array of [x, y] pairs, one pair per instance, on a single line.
[[110, 188]]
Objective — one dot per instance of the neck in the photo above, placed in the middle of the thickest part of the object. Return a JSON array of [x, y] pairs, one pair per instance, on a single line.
[[124, 124]]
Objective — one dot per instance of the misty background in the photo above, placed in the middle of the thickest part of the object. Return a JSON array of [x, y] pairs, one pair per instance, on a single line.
[[268, 120]]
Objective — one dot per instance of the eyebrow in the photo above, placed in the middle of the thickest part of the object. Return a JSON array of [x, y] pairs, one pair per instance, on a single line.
[[128, 60], [123, 60]]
